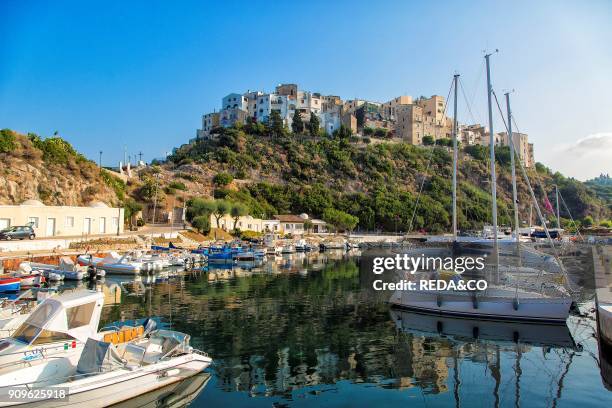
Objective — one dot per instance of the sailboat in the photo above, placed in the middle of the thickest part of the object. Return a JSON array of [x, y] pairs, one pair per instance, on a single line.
[[521, 299]]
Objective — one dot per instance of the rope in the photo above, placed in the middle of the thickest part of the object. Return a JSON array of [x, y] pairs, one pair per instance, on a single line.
[[524, 172], [542, 187]]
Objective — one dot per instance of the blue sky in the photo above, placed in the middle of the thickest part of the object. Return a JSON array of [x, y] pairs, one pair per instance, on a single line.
[[140, 74]]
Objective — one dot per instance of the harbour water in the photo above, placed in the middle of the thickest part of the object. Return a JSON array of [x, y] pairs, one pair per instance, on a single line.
[[306, 330]]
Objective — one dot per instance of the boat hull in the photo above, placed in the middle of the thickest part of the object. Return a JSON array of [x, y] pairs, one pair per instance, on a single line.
[[103, 390], [534, 309], [10, 285]]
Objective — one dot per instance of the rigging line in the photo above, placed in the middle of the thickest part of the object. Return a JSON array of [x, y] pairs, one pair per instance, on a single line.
[[570, 214], [467, 103], [518, 130], [416, 205], [475, 86], [544, 190], [524, 172]]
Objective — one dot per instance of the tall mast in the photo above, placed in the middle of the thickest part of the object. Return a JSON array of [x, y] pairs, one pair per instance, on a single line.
[[514, 192], [492, 149], [557, 196], [456, 77]]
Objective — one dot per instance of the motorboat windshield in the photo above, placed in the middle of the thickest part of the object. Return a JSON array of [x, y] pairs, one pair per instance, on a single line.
[[74, 316]]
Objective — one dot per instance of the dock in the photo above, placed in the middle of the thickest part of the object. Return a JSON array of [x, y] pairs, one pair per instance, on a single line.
[[602, 262]]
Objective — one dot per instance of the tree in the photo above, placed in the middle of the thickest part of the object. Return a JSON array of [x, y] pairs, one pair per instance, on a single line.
[[587, 221], [202, 224], [276, 124], [342, 132], [428, 140], [223, 179], [222, 208], [199, 207], [381, 133], [238, 210], [297, 125], [340, 220], [308, 225], [130, 208], [313, 125]]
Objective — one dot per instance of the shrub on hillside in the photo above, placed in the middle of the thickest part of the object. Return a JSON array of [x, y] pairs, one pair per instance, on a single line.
[[223, 179], [7, 141], [177, 185]]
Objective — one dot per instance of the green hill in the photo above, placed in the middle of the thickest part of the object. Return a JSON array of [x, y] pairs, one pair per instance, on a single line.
[[376, 180]]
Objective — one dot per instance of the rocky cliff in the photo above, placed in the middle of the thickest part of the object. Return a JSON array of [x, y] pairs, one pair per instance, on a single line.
[[48, 170]]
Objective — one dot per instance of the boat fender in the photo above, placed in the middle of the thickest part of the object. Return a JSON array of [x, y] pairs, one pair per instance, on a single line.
[[171, 373], [475, 332], [439, 327], [439, 300], [475, 301], [515, 304], [516, 336]]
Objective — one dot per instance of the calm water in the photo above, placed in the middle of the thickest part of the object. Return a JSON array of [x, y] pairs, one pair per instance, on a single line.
[[306, 331]]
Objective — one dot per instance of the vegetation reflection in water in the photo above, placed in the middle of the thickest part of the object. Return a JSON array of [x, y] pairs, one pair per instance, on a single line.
[[307, 330]]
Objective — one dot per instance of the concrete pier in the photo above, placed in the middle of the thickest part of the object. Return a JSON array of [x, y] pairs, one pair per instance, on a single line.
[[602, 262]]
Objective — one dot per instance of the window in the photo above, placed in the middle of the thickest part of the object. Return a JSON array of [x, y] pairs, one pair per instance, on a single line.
[[78, 316], [69, 222], [48, 336], [33, 221]]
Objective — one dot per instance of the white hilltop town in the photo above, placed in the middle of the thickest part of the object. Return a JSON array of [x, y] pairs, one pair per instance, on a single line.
[[402, 118]]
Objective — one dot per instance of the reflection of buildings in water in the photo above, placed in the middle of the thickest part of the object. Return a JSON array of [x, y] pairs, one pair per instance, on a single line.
[[112, 294], [429, 364], [220, 274]]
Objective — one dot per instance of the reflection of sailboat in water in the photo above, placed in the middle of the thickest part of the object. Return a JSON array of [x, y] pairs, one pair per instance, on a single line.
[[520, 294], [173, 396], [549, 335], [484, 341]]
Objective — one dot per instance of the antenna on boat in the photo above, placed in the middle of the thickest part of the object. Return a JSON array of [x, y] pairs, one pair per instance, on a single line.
[[514, 192], [492, 149], [455, 80]]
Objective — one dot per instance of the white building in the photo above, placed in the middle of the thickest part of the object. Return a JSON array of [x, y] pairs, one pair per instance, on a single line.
[[235, 101], [49, 221], [286, 99]]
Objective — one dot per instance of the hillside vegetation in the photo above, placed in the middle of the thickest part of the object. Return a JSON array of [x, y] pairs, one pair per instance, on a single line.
[[273, 171], [50, 170]]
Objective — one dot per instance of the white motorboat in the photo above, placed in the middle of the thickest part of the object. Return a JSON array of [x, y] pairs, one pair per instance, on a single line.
[[55, 331], [14, 312], [66, 268], [53, 276], [114, 263], [106, 374], [288, 249], [31, 279], [177, 395]]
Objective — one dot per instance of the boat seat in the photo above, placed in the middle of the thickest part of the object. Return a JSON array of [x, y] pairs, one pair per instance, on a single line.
[[133, 354], [124, 334], [154, 350]]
